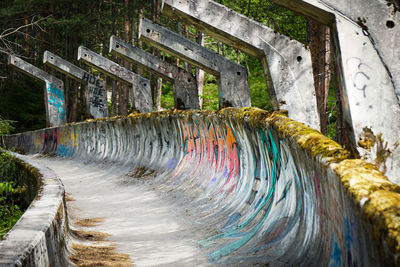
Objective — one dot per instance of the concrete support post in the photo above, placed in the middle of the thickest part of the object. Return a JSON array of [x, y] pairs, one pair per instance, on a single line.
[[141, 86], [55, 104], [233, 85], [369, 97], [287, 64], [185, 87], [97, 92], [381, 20]]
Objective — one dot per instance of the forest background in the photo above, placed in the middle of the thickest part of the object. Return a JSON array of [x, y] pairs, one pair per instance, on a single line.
[[29, 27]]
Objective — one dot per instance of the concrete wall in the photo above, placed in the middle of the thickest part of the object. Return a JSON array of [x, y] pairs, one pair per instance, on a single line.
[[265, 188], [40, 237]]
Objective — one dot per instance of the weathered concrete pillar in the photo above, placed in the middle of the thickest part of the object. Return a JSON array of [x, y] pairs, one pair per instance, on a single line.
[[185, 87], [286, 62], [369, 73], [55, 106], [381, 19], [141, 86], [233, 85], [97, 92]]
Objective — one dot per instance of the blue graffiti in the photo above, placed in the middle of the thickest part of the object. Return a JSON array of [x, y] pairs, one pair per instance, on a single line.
[[55, 91], [224, 174], [212, 181], [56, 99], [172, 163], [336, 254], [66, 151], [233, 219], [348, 233]]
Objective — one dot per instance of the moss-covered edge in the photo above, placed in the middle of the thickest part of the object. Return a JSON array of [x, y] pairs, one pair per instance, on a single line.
[[377, 197]]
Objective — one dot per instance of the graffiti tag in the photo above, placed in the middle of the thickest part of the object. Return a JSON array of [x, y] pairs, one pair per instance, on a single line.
[[56, 98], [360, 74]]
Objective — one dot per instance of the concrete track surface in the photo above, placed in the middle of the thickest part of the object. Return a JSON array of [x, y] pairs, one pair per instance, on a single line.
[[142, 222], [233, 188]]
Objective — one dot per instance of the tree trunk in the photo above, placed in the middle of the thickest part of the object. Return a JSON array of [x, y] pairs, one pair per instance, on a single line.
[[66, 97], [200, 72], [74, 105], [158, 88], [52, 31], [124, 96], [26, 38], [83, 103], [114, 98], [158, 93], [188, 66], [139, 70], [319, 42]]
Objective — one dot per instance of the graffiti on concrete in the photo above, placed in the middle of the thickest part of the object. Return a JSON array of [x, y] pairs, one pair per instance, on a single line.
[[62, 142], [121, 72], [172, 163], [97, 95], [257, 194], [360, 74], [49, 140], [56, 99]]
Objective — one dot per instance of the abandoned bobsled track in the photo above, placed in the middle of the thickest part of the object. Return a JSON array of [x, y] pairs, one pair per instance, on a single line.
[[193, 188]]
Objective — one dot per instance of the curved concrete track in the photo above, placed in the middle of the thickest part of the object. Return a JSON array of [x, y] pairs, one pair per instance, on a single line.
[[237, 187], [142, 222]]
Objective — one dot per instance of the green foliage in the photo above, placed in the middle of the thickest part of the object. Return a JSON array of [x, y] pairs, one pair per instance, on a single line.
[[274, 16], [167, 99], [210, 93], [331, 112], [23, 104], [5, 126], [8, 167], [258, 93], [11, 203]]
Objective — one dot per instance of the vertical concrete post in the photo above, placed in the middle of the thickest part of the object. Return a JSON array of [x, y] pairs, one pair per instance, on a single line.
[[381, 20], [55, 105], [97, 92], [369, 98], [141, 86], [286, 62], [185, 87], [233, 85]]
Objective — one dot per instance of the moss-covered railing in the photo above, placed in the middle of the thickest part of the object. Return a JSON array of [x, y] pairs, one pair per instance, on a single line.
[[276, 191]]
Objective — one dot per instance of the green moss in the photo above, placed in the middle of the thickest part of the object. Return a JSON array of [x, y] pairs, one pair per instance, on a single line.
[[309, 139], [382, 199], [382, 210]]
